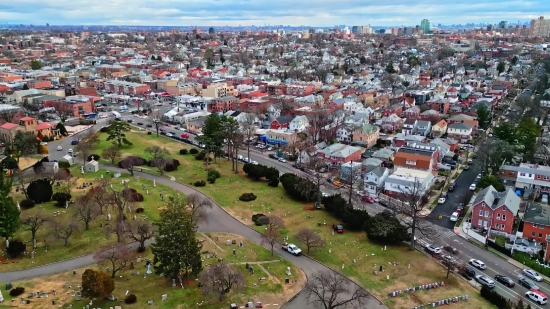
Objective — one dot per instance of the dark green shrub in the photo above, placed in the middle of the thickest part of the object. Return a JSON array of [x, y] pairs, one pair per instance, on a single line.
[[247, 197], [140, 210], [27, 204], [64, 164], [214, 174], [96, 157], [494, 298], [16, 248], [171, 165], [40, 191], [17, 291], [211, 179], [183, 151], [200, 183], [104, 129], [193, 151], [260, 219], [135, 161], [61, 198], [200, 156], [149, 133], [130, 299]]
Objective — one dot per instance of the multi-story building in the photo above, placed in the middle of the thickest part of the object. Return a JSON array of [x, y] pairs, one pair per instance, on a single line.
[[217, 90], [495, 210], [425, 26], [526, 177], [540, 27], [418, 156], [124, 87], [280, 137], [27, 124], [340, 153]]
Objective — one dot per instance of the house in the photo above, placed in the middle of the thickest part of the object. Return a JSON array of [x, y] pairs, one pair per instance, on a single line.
[[440, 105], [344, 133], [429, 115], [423, 127], [374, 179], [439, 128], [419, 156], [460, 131], [536, 222], [400, 139], [406, 181], [412, 113], [299, 124], [367, 135], [443, 147], [67, 158], [27, 124], [495, 210], [396, 109], [391, 123], [281, 122], [384, 154], [466, 119], [409, 126], [340, 153], [526, 177], [280, 137], [350, 171]]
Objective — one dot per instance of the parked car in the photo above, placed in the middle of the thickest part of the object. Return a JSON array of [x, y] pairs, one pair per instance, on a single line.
[[74, 142], [149, 125], [291, 248], [59, 148], [478, 264], [454, 217], [282, 160], [472, 187], [466, 167], [505, 280], [528, 283], [486, 281], [441, 200], [338, 228], [450, 249], [532, 274], [273, 156], [368, 199], [544, 199], [338, 184], [433, 249]]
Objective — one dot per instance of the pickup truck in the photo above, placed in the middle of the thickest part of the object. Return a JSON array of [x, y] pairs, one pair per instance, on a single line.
[[291, 248]]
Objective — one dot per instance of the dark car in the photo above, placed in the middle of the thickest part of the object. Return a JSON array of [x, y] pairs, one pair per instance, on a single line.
[[451, 249], [452, 187], [140, 123], [273, 156], [129, 120], [149, 125], [505, 280], [528, 283], [74, 142], [468, 272]]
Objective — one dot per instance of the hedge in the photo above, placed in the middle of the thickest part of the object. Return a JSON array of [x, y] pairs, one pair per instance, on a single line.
[[247, 197]]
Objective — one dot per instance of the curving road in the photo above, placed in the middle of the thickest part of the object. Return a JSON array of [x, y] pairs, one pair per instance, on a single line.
[[218, 221]]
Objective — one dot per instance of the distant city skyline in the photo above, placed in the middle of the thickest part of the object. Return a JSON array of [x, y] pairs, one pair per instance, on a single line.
[[219, 13]]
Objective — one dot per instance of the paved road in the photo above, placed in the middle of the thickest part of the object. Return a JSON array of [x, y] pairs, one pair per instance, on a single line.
[[218, 221]]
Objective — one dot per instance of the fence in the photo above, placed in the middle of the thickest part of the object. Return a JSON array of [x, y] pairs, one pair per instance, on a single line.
[[500, 249]]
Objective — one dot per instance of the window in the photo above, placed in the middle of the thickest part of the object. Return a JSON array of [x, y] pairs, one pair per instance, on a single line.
[[538, 176], [504, 217], [534, 225], [540, 235], [411, 162], [522, 174], [497, 226], [502, 227], [498, 216], [479, 223], [530, 175], [481, 213], [541, 226], [533, 234], [486, 214], [546, 177]]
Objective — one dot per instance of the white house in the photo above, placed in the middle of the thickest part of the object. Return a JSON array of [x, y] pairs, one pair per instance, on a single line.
[[374, 180], [460, 131], [405, 181], [299, 124], [345, 132]]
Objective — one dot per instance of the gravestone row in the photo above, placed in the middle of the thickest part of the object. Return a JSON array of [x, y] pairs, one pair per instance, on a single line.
[[446, 301]]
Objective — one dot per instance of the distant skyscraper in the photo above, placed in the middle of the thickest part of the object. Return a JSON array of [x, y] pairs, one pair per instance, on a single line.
[[503, 24], [211, 30], [540, 27], [425, 26]]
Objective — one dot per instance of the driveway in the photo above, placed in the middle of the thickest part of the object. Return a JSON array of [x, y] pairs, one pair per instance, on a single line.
[[218, 221]]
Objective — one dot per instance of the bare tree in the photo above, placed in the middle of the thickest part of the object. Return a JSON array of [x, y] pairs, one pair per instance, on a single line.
[[198, 206], [249, 130], [318, 121], [310, 239], [86, 209], [112, 153], [64, 230], [330, 290], [129, 163], [158, 157], [33, 223], [450, 263], [64, 110], [83, 151], [160, 164], [118, 257], [220, 279], [100, 195], [272, 233], [140, 230], [121, 200]]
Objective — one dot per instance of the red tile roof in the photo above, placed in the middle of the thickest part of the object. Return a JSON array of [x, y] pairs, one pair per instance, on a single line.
[[46, 125], [9, 126], [26, 118]]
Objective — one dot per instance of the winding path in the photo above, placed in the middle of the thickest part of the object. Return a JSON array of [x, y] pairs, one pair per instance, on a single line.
[[218, 221]]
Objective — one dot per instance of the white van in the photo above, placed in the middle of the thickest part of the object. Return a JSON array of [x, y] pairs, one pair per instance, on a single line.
[[454, 217]]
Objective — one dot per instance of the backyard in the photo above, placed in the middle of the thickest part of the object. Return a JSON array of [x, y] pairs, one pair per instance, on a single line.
[[271, 289], [351, 253]]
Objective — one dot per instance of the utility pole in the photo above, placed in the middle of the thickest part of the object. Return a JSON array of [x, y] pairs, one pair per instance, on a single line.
[[351, 176]]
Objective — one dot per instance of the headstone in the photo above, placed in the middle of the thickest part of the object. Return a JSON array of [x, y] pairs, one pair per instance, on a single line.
[[165, 297], [233, 241], [149, 302], [137, 272], [9, 286], [138, 260], [234, 252], [342, 266], [108, 217], [288, 273], [149, 271], [173, 282], [240, 244], [228, 243]]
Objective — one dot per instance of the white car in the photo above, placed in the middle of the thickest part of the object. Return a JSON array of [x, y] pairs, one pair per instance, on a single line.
[[282, 160], [246, 160], [70, 150], [270, 148], [537, 296], [478, 264], [433, 249], [532, 274], [441, 200], [254, 162], [44, 143], [59, 148], [473, 187], [454, 217], [169, 134]]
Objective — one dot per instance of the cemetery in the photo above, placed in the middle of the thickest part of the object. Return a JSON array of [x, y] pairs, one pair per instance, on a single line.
[[265, 281], [351, 253], [48, 248]]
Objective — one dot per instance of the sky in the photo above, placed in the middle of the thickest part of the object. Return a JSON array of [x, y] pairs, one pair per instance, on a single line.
[[322, 13]]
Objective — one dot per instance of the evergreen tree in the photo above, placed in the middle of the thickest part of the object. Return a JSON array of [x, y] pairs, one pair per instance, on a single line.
[[9, 214], [389, 68], [176, 250], [116, 133], [213, 137]]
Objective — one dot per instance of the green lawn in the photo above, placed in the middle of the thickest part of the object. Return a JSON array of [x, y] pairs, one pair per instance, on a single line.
[[270, 291], [79, 243], [345, 248]]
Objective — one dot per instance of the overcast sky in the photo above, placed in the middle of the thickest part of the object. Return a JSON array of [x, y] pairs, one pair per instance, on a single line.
[[259, 12]]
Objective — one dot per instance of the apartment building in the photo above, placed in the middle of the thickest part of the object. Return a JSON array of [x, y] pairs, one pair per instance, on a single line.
[[218, 90]]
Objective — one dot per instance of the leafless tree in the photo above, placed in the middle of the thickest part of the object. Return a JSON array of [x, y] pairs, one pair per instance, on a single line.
[[129, 163], [220, 279], [121, 200], [83, 150], [86, 209], [198, 206], [412, 199], [100, 195], [140, 230], [64, 110], [118, 257], [330, 290], [33, 223], [112, 153], [249, 128], [64, 230], [158, 157], [272, 232], [310, 239], [318, 121], [450, 262]]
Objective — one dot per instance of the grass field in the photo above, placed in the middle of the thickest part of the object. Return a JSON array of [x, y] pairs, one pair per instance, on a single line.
[[79, 243], [345, 247], [271, 291]]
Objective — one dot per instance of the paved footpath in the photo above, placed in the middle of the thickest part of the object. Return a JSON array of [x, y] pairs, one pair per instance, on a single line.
[[218, 221]]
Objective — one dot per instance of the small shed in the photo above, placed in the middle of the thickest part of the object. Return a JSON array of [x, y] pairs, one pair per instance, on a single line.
[[91, 166], [67, 158]]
